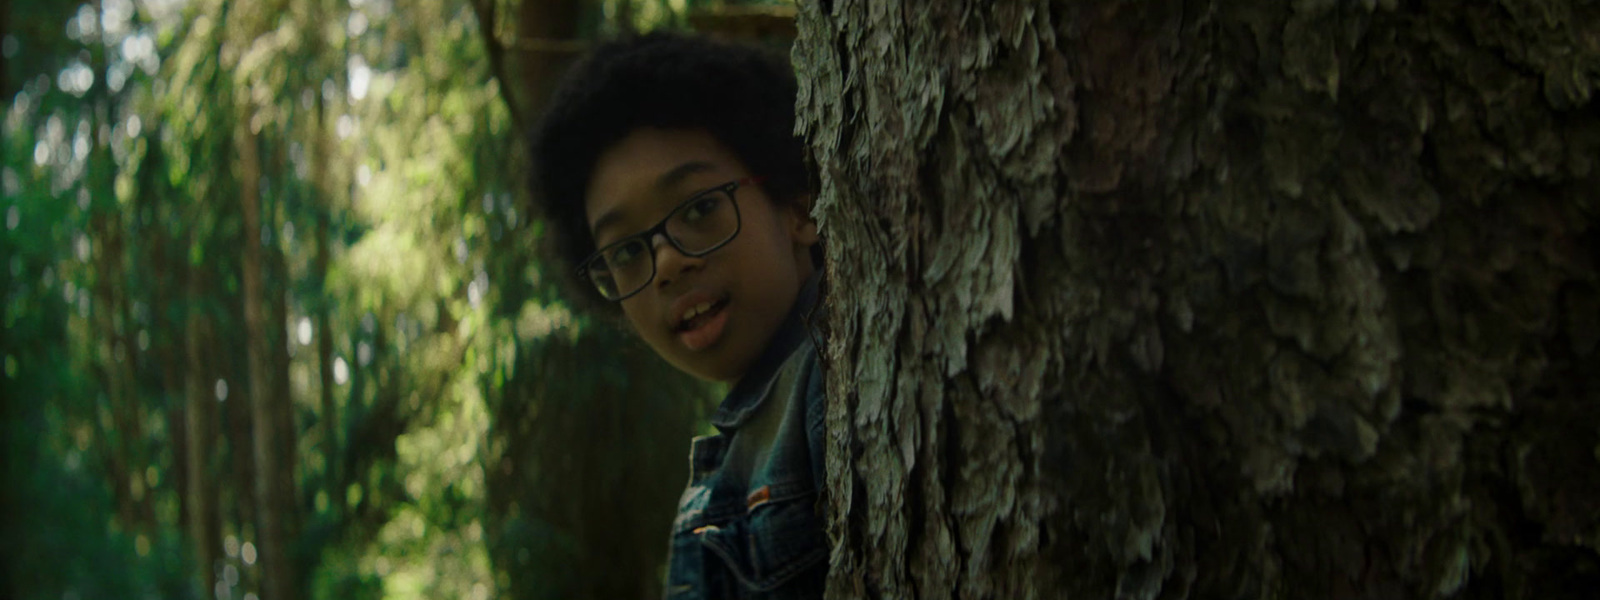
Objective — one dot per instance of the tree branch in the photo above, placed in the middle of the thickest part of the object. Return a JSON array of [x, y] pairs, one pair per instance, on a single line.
[[485, 9]]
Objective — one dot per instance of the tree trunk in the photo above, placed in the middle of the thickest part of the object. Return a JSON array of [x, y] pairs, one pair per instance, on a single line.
[[528, 66], [546, 34], [240, 437], [200, 494], [113, 355], [174, 345], [117, 416], [1208, 299], [326, 384], [274, 470], [285, 429]]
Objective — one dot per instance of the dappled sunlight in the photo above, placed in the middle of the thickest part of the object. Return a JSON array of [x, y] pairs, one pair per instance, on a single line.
[[386, 266], [275, 315]]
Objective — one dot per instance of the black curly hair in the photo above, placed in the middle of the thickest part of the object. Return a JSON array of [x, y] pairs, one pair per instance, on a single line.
[[743, 96]]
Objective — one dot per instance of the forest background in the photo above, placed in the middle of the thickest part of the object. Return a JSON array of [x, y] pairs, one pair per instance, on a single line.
[[1154, 299], [275, 325]]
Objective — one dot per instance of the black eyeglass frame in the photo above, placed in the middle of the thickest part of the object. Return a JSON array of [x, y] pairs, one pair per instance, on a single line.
[[660, 227]]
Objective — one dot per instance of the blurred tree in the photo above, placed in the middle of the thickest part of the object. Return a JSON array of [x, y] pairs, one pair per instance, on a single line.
[[274, 471], [1209, 299], [749, 20], [547, 37], [266, 269], [201, 482], [74, 393]]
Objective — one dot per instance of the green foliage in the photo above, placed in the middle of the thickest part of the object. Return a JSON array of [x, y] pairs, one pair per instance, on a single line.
[[463, 435]]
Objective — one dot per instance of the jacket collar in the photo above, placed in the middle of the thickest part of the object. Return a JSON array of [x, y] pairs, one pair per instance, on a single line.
[[756, 384]]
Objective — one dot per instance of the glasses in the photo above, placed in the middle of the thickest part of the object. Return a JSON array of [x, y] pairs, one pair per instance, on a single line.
[[698, 227]]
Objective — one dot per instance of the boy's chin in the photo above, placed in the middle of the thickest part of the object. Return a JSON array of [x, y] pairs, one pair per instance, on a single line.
[[720, 362], [721, 371]]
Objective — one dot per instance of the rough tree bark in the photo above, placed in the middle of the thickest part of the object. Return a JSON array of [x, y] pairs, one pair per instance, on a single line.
[[1179, 299]]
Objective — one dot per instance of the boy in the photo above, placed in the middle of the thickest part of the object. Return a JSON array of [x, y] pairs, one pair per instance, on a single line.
[[672, 182]]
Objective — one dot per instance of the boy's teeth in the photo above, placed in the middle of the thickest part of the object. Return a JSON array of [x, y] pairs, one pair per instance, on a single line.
[[695, 311]]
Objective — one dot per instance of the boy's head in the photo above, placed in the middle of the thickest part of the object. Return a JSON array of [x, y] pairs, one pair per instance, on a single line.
[[679, 153]]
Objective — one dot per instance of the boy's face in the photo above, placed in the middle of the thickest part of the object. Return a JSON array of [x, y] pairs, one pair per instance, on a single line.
[[750, 283]]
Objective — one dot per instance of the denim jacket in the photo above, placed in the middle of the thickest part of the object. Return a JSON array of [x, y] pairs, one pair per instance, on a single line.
[[749, 524]]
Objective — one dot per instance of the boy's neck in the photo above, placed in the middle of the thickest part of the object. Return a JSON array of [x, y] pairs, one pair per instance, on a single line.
[[791, 334]]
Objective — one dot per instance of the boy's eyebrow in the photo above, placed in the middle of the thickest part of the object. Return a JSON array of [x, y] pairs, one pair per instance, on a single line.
[[670, 179], [666, 182]]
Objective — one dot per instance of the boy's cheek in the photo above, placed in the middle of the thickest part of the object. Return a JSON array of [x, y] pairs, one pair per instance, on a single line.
[[638, 322]]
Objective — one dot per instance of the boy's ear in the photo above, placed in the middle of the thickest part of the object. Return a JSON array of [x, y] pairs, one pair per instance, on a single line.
[[803, 228]]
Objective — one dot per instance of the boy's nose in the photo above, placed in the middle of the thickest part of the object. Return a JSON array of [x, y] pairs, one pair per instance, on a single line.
[[670, 263]]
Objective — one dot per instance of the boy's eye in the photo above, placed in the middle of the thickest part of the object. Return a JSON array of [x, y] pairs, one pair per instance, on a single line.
[[701, 207], [625, 253]]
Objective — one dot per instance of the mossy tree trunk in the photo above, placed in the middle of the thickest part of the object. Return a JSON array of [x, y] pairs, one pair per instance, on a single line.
[[1192, 299]]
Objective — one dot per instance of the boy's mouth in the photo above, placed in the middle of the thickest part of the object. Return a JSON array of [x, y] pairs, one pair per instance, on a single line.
[[701, 325]]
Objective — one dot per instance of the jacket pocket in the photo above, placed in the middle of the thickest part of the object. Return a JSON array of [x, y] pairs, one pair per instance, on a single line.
[[688, 575], [772, 544], [693, 572], [685, 569]]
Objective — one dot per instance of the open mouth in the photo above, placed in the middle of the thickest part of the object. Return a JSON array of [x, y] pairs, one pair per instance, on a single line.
[[701, 325], [698, 316]]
